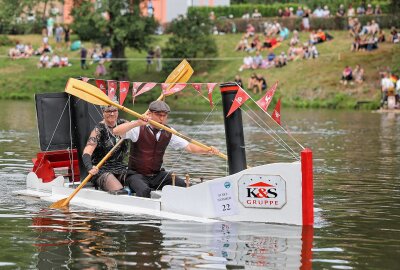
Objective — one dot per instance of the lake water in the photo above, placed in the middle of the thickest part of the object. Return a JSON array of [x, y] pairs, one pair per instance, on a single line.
[[357, 201]]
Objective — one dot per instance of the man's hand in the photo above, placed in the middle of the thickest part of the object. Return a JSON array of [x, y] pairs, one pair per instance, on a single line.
[[213, 151], [93, 171]]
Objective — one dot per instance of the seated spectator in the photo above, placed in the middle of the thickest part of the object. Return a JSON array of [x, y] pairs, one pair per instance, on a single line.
[[243, 45], [369, 10], [381, 36], [238, 81], [283, 34], [313, 37], [247, 63], [255, 44], [252, 82], [13, 53], [378, 10], [358, 74], [356, 44], [372, 43], [361, 10], [269, 60], [269, 42], [29, 50], [394, 35], [250, 30], [295, 38], [366, 29], [44, 61], [299, 11], [341, 12], [64, 61], [55, 61], [326, 13], [257, 60], [20, 47], [295, 53], [100, 69], [280, 13], [256, 14], [347, 75], [246, 16], [374, 28], [212, 16], [350, 11], [354, 27], [313, 51], [306, 51], [281, 60], [260, 84]]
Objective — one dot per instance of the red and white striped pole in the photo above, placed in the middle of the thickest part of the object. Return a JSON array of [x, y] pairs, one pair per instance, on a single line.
[[307, 187]]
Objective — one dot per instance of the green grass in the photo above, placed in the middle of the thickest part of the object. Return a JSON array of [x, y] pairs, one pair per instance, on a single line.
[[304, 83]]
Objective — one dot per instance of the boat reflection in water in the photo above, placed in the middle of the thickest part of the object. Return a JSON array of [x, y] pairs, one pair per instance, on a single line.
[[106, 240]]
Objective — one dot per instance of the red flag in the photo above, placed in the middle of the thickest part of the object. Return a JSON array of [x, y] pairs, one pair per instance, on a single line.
[[102, 85], [123, 91], [85, 79], [210, 88], [145, 88], [197, 87], [112, 89], [135, 87], [276, 114], [240, 98], [174, 89], [267, 98]]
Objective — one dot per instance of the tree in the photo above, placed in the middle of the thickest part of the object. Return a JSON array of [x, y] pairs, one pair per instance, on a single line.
[[117, 24], [191, 39]]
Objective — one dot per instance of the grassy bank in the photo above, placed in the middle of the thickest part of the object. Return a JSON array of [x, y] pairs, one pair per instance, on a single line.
[[304, 83]]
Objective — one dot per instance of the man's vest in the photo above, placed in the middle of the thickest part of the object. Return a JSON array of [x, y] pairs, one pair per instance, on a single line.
[[146, 155]]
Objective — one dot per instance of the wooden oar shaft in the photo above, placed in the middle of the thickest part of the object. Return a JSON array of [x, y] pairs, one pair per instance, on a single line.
[[101, 163], [152, 122]]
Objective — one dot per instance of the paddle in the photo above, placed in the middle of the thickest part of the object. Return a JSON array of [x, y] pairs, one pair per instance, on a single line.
[[63, 203], [92, 94]]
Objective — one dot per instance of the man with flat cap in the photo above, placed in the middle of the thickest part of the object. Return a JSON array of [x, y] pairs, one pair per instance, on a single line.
[[148, 148]]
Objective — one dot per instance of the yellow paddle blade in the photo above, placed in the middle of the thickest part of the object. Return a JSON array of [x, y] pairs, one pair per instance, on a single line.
[[60, 204], [181, 73], [87, 92]]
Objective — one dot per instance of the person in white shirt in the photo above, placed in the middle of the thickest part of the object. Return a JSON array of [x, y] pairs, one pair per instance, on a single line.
[[145, 172]]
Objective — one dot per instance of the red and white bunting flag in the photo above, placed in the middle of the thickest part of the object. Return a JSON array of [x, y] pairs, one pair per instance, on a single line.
[[276, 114], [197, 87], [123, 91], [112, 89], [267, 98], [85, 79], [135, 87], [174, 88], [145, 88], [102, 85], [210, 88], [240, 98]]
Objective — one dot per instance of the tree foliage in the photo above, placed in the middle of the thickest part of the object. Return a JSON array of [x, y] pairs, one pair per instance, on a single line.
[[191, 39], [117, 24]]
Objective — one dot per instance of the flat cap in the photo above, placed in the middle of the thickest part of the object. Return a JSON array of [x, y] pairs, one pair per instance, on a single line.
[[159, 106]]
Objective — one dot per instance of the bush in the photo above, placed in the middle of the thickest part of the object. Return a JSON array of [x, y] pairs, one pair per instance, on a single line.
[[332, 23], [5, 41]]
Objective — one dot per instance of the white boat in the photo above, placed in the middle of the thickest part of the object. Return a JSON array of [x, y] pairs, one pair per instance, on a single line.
[[273, 193]]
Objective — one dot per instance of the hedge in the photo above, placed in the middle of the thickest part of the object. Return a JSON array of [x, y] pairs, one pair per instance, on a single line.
[[332, 23], [237, 11]]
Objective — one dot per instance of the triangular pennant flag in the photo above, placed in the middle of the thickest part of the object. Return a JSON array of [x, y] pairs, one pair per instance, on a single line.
[[210, 88], [276, 114], [267, 98], [197, 87], [135, 87], [123, 91], [85, 79], [240, 98], [173, 88], [112, 89], [102, 85], [145, 88]]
